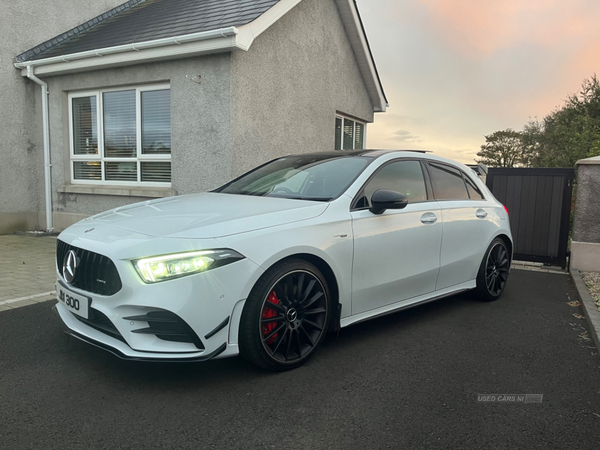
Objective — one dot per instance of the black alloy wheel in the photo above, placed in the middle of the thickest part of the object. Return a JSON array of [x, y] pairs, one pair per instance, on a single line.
[[494, 270], [286, 316]]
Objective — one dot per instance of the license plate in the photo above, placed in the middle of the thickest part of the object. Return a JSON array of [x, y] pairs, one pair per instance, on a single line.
[[76, 303]]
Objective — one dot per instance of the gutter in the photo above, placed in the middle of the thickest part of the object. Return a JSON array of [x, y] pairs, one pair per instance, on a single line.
[[46, 132], [135, 47]]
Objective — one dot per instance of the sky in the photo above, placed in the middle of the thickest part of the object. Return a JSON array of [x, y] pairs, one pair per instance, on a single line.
[[456, 70]]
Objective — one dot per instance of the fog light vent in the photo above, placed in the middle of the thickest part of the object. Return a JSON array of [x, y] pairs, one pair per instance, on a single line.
[[167, 326]]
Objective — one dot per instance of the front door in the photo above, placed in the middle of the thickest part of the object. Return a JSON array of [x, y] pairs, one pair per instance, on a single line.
[[397, 253]]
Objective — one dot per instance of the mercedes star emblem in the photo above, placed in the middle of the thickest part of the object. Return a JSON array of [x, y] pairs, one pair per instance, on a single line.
[[69, 266]]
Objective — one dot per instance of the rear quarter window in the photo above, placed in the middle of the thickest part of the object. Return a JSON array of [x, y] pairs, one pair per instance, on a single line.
[[474, 192]]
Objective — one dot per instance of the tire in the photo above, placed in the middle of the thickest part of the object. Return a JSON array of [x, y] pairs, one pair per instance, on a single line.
[[493, 272], [286, 316]]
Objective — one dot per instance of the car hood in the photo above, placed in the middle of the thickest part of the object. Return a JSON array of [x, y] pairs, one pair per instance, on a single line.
[[207, 215]]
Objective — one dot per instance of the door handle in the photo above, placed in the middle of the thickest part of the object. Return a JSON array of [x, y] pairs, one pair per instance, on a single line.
[[481, 213], [429, 217]]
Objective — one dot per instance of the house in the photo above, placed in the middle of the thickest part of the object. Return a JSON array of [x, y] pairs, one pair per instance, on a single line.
[[155, 98]]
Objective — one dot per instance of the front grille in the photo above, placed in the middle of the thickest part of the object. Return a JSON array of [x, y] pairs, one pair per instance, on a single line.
[[167, 326], [95, 273], [100, 322]]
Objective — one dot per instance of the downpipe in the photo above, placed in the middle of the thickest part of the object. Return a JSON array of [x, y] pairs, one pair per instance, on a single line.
[[46, 133]]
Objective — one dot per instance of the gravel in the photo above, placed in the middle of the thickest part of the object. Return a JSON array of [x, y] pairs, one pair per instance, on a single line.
[[592, 281]]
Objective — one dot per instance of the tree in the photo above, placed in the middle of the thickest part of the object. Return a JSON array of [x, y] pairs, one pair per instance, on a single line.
[[567, 134], [503, 149]]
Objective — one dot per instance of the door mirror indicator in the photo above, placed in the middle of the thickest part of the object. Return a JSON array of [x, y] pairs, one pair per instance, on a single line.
[[383, 199]]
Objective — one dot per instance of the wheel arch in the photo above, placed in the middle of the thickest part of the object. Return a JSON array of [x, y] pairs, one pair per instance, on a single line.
[[330, 277], [508, 241]]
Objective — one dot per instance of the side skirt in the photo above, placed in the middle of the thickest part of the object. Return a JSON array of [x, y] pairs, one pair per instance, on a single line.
[[405, 304]]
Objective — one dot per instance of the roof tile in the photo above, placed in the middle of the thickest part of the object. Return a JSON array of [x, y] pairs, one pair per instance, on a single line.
[[143, 20]]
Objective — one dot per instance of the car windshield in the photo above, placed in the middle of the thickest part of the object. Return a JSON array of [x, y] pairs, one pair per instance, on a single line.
[[309, 177]]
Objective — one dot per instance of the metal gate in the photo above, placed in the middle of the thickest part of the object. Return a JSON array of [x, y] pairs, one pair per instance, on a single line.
[[539, 207]]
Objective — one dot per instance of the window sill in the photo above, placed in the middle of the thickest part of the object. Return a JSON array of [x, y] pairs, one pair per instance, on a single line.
[[133, 191]]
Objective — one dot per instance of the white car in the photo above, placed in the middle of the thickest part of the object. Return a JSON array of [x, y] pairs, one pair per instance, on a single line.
[[269, 263]]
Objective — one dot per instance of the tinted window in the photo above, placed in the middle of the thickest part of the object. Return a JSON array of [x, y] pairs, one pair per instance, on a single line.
[[448, 183], [310, 177], [405, 177], [474, 193]]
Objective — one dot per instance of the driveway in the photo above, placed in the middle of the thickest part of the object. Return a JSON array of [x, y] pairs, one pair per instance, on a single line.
[[408, 380], [27, 273]]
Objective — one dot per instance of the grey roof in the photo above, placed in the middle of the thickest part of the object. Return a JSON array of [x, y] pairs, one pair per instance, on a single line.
[[144, 20]]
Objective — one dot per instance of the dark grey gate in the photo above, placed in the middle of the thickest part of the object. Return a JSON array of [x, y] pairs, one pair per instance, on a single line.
[[539, 207]]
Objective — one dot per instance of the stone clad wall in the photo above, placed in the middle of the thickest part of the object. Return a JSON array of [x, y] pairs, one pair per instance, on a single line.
[[585, 246]]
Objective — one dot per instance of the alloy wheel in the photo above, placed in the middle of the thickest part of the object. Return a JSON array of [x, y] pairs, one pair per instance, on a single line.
[[293, 317], [496, 270]]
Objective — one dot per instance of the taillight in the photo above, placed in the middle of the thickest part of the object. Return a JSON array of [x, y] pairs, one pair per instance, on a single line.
[[505, 209]]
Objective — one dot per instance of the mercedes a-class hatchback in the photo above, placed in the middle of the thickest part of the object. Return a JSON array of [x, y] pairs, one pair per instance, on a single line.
[[267, 264]]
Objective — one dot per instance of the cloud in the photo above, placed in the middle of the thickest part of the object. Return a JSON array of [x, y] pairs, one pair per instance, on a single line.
[[479, 28], [457, 70], [405, 136]]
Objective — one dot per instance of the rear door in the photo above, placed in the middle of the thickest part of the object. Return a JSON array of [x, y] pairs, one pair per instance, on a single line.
[[467, 224], [397, 253]]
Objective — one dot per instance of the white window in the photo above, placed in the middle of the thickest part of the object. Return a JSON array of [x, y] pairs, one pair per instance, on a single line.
[[121, 136], [349, 133]]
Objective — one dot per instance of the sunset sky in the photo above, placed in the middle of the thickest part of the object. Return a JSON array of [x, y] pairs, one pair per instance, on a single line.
[[456, 70]]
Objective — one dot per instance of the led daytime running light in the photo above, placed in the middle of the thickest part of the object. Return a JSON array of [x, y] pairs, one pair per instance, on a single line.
[[166, 267]]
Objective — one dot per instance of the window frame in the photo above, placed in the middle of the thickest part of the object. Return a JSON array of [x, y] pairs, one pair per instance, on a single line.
[[464, 177], [355, 120], [426, 180], [138, 159]]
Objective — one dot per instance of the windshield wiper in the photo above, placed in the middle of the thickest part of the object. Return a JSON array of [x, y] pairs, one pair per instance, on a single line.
[[310, 199], [251, 193], [263, 194]]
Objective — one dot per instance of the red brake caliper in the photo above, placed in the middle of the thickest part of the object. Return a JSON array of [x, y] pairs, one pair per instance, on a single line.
[[267, 313]]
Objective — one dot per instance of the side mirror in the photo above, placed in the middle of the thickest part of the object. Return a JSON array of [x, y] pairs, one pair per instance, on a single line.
[[383, 199]]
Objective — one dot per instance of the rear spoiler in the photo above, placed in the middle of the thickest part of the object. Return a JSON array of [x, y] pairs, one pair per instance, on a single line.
[[480, 169]]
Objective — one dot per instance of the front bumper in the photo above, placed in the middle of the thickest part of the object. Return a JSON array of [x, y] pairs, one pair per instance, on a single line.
[[123, 351], [208, 303]]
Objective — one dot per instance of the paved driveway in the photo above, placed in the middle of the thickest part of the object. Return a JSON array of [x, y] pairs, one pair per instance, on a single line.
[[27, 273], [408, 380]]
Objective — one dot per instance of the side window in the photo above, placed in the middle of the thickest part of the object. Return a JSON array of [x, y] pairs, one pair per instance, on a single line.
[[448, 183], [474, 192], [405, 177]]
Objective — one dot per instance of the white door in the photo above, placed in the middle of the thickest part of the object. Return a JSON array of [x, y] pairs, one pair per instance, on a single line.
[[467, 225], [397, 253]]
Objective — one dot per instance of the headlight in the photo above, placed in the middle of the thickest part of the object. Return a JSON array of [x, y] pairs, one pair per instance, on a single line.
[[167, 267]]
